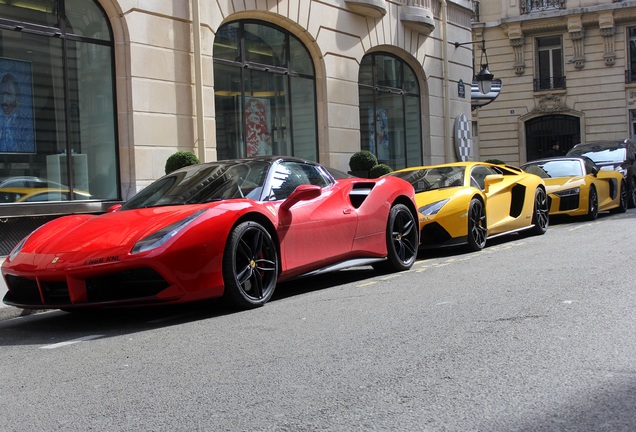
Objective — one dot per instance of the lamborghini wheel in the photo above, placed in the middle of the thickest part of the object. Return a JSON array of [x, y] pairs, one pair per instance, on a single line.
[[402, 238], [592, 205], [477, 228], [250, 266], [631, 193], [623, 200], [540, 216]]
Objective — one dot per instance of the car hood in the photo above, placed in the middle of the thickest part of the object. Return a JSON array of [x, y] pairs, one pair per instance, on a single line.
[[562, 183], [424, 198], [121, 230]]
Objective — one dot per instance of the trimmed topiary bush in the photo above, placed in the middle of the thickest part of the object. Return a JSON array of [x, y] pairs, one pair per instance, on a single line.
[[180, 159], [379, 170], [495, 161], [363, 160]]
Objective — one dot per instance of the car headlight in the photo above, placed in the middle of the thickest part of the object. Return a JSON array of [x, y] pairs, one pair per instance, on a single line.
[[568, 192], [16, 250], [433, 208], [163, 235]]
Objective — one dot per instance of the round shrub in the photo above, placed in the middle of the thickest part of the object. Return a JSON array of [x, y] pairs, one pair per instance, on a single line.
[[379, 170], [363, 160], [180, 159]]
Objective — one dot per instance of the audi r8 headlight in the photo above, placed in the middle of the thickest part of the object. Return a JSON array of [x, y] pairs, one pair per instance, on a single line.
[[159, 238], [568, 192], [433, 208]]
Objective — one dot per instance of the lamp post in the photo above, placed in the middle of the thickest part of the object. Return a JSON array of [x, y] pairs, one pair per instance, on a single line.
[[484, 77]]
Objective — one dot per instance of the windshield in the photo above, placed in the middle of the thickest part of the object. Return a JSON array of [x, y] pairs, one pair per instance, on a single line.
[[600, 155], [427, 179], [204, 183], [550, 169]]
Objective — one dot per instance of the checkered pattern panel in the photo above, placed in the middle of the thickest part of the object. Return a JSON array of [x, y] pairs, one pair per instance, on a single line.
[[463, 142]]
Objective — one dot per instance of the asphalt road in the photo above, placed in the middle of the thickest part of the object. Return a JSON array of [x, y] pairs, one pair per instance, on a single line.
[[530, 334]]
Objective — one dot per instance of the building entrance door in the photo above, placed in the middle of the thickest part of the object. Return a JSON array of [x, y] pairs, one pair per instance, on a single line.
[[542, 132]]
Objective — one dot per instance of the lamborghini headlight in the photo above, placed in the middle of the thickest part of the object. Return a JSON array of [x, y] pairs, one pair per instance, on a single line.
[[568, 192], [433, 208], [159, 238]]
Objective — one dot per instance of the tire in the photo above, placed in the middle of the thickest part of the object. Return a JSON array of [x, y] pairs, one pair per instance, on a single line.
[[250, 266], [592, 205], [631, 193], [477, 228], [402, 240], [623, 199], [541, 212]]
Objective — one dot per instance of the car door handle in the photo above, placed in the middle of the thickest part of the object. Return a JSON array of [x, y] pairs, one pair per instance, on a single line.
[[347, 211]]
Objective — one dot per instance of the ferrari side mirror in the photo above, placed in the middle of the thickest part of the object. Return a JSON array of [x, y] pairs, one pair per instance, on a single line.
[[114, 208]]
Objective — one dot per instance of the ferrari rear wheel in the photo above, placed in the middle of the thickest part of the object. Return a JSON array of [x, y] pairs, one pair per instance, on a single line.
[[592, 205], [250, 266], [402, 238], [540, 216], [477, 228]]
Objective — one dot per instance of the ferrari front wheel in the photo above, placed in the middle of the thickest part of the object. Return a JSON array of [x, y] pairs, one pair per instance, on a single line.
[[592, 205], [402, 238], [540, 215], [477, 228], [250, 266]]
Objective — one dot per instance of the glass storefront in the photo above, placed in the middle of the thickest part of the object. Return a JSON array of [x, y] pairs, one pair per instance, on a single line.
[[57, 126], [390, 125], [265, 97]]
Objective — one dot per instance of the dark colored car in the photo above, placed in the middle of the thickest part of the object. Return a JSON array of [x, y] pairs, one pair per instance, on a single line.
[[617, 155]]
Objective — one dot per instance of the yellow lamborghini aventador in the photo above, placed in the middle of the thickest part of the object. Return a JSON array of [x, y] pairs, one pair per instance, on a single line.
[[469, 202], [576, 186]]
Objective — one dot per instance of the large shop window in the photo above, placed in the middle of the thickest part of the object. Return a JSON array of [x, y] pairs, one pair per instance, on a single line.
[[390, 125], [57, 127], [265, 97]]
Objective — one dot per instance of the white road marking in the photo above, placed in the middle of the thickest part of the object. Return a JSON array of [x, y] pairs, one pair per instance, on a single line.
[[71, 342]]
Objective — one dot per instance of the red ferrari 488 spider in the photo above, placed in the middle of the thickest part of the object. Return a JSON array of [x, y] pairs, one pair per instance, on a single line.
[[227, 229]]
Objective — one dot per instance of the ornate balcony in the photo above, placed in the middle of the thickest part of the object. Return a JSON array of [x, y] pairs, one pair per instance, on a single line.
[[528, 6], [417, 17], [369, 8]]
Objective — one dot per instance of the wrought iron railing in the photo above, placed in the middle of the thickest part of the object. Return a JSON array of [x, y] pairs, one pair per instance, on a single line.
[[551, 83], [528, 6]]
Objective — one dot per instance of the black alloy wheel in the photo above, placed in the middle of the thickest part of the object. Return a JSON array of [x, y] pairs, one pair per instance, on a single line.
[[477, 228], [592, 204], [623, 199], [402, 238], [631, 193], [250, 266], [541, 213]]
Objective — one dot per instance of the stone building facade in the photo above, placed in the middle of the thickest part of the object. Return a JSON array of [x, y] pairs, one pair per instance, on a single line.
[[568, 70], [107, 90]]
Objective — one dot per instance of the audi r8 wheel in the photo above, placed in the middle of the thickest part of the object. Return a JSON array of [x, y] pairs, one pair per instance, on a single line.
[[477, 228], [631, 193], [592, 204], [250, 266], [402, 238], [540, 215], [623, 201]]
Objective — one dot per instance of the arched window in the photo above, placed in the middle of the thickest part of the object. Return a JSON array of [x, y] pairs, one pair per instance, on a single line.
[[57, 123], [264, 93], [390, 124]]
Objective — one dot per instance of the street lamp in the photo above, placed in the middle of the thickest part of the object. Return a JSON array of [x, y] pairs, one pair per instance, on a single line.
[[484, 77]]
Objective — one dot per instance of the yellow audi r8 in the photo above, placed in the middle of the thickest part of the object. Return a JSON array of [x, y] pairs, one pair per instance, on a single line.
[[470, 202], [576, 186]]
